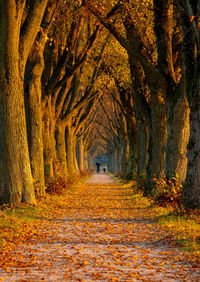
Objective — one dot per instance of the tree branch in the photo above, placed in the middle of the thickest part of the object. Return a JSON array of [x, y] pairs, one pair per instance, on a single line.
[[31, 27]]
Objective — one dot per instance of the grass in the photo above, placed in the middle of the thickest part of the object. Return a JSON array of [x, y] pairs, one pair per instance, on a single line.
[[186, 229], [184, 226]]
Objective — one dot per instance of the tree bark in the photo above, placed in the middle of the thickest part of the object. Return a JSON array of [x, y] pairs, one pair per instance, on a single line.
[[75, 157], [33, 91], [112, 162], [70, 141], [34, 71], [81, 154], [16, 183], [132, 159], [191, 57], [124, 157], [158, 137], [192, 184], [143, 152], [49, 140], [86, 161], [61, 148], [177, 139]]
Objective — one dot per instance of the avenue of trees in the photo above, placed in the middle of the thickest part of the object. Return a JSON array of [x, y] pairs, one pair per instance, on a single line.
[[80, 77]]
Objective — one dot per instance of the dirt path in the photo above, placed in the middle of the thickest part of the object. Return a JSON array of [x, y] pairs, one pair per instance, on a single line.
[[103, 235], [100, 178]]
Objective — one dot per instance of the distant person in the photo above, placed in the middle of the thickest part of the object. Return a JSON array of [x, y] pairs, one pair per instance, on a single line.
[[104, 169], [98, 164]]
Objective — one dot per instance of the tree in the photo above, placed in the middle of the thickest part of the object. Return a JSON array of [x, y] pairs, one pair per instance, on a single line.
[[64, 56], [189, 12], [112, 133], [33, 95], [20, 22], [162, 76], [85, 140], [76, 110]]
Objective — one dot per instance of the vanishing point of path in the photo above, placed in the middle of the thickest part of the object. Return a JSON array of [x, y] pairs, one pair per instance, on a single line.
[[103, 235]]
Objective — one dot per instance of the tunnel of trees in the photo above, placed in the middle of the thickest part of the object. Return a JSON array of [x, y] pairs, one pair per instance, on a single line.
[[78, 78]]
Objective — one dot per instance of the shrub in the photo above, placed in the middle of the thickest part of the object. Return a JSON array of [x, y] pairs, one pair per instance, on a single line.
[[55, 186], [166, 191]]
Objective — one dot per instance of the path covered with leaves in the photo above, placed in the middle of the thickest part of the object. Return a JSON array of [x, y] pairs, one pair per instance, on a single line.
[[103, 234]]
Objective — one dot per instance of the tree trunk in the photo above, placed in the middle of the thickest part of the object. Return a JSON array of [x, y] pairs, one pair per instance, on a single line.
[[178, 137], [112, 162], [124, 157], [70, 151], [132, 139], [48, 140], [118, 161], [132, 166], [86, 161], [143, 152], [75, 157], [192, 184], [34, 70], [81, 154], [16, 183], [90, 161], [159, 135], [61, 148], [158, 139], [189, 11]]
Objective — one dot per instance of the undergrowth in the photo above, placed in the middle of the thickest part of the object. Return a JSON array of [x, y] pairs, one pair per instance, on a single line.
[[166, 191]]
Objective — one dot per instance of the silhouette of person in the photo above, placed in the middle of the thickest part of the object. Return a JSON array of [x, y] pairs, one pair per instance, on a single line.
[[104, 169], [98, 164]]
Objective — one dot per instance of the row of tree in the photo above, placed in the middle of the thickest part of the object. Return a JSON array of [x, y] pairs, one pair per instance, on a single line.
[[47, 92], [162, 105], [56, 70]]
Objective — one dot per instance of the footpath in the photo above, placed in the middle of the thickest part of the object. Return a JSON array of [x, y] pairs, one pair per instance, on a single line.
[[100, 178], [104, 235]]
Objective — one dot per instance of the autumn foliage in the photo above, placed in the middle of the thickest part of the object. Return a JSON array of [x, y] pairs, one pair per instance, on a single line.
[[100, 232], [167, 191]]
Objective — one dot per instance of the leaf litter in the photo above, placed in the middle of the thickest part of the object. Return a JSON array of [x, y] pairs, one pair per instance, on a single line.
[[100, 233]]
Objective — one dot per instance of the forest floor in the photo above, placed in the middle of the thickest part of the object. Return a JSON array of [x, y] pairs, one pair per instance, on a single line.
[[97, 230]]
